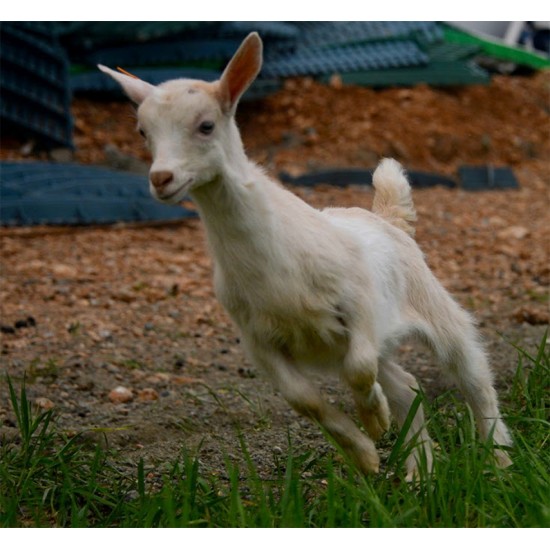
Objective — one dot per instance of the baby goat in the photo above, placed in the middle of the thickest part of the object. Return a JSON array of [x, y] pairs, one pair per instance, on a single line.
[[332, 289]]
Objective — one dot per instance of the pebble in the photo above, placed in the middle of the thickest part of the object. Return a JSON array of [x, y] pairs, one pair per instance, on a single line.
[[514, 232], [64, 271], [148, 394], [181, 380], [179, 363], [24, 323], [158, 378], [44, 403], [120, 394]]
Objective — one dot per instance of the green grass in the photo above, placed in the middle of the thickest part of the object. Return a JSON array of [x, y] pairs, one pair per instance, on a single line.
[[50, 479]]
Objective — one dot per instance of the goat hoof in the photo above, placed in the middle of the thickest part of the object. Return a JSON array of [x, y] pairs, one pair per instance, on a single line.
[[377, 420], [502, 459], [368, 463]]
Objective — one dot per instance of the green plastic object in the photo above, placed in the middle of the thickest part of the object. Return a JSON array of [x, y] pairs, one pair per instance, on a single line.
[[435, 73], [497, 49]]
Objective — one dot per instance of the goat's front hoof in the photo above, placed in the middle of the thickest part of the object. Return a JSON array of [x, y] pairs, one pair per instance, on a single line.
[[376, 419], [368, 462]]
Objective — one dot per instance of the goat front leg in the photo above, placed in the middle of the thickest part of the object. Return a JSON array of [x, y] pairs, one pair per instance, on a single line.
[[360, 370], [305, 398]]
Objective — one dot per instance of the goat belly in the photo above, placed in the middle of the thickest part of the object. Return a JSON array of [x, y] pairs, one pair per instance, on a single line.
[[312, 341]]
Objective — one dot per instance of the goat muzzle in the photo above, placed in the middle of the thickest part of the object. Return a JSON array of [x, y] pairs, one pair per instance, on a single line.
[[161, 179]]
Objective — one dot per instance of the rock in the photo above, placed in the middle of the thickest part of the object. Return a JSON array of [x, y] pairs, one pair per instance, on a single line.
[[532, 315], [44, 403], [148, 394], [158, 378], [24, 323], [181, 380], [62, 155], [443, 146], [115, 158], [179, 363], [124, 295], [513, 232], [121, 395], [335, 82], [64, 271]]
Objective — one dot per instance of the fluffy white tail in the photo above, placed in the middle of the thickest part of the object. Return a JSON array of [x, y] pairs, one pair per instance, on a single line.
[[392, 198]]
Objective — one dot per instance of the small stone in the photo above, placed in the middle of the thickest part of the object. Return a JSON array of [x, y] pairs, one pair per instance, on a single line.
[[64, 271], [62, 154], [27, 148], [514, 232], [124, 295], [6, 329], [335, 82], [121, 395], [246, 373], [148, 394], [532, 315], [179, 363], [21, 323], [182, 380], [131, 495], [158, 378], [44, 403]]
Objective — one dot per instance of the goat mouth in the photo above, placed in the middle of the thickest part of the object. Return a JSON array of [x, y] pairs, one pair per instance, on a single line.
[[170, 196]]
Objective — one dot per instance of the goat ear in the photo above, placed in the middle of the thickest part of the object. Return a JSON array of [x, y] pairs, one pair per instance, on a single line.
[[137, 90], [241, 71]]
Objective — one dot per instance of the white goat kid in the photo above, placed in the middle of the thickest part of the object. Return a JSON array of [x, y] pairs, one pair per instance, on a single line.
[[312, 289]]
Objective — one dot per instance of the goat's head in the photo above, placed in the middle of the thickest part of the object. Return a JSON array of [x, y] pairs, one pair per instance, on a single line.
[[189, 124]]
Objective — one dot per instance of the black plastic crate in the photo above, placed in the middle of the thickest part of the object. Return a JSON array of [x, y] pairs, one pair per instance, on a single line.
[[34, 88]]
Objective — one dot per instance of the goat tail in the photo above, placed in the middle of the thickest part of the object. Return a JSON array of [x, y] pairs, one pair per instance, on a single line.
[[392, 197]]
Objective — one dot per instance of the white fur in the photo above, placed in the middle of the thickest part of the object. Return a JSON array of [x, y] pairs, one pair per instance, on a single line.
[[333, 289]]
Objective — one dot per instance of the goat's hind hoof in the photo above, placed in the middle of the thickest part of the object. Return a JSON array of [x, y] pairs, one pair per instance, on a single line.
[[502, 459]]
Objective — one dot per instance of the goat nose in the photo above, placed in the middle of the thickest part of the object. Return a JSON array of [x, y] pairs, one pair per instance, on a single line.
[[161, 178]]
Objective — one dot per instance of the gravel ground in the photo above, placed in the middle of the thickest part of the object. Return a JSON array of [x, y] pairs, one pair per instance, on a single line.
[[118, 327]]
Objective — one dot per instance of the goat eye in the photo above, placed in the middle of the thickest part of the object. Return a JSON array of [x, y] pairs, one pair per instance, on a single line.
[[206, 127], [142, 133]]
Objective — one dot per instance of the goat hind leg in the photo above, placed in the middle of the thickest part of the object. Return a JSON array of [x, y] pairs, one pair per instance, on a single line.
[[458, 347], [399, 387], [471, 371]]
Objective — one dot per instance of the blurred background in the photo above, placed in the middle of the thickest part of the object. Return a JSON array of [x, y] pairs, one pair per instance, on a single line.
[[56, 106]]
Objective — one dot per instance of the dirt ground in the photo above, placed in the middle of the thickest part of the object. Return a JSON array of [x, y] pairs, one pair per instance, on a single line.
[[86, 311]]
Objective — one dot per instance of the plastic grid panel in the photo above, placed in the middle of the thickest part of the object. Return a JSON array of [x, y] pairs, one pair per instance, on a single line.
[[346, 59], [34, 86], [70, 194]]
